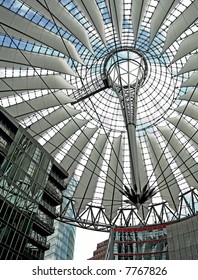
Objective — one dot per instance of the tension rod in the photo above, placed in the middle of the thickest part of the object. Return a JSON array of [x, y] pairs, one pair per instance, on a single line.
[[106, 85]]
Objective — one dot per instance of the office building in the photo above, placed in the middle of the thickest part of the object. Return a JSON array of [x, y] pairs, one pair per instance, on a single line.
[[100, 252], [172, 241], [109, 89], [138, 243], [31, 187], [62, 241]]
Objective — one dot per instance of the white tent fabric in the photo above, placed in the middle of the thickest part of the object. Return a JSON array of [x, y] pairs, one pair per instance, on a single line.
[[58, 61]]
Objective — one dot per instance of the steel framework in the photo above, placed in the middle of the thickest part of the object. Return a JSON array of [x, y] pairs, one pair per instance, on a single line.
[[109, 89]]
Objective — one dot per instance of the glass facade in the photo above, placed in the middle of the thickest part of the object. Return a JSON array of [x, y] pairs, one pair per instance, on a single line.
[[27, 204], [62, 242], [148, 243], [24, 171]]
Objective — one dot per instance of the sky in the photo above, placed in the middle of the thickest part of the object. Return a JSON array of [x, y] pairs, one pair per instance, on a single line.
[[86, 243]]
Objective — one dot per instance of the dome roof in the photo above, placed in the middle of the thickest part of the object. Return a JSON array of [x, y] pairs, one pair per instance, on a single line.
[[109, 88]]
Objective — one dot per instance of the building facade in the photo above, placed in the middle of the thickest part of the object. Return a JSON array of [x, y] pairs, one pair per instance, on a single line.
[[182, 239], [177, 240], [31, 186], [100, 252], [138, 243], [62, 241]]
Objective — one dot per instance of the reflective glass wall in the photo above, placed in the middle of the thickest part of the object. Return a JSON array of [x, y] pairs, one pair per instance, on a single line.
[[144, 243], [31, 186], [62, 242]]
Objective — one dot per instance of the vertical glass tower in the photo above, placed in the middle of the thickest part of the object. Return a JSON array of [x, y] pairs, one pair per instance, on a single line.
[[62, 242]]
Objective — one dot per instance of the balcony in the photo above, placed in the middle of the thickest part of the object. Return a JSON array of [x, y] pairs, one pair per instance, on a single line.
[[7, 130], [44, 224], [39, 240], [31, 254], [54, 193], [58, 180], [4, 148], [4, 144], [51, 210]]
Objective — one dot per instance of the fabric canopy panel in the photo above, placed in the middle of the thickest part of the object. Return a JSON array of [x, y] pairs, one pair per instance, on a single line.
[[71, 72]]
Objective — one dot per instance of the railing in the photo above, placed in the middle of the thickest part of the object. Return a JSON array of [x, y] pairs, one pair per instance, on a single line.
[[6, 130], [50, 209], [31, 254], [57, 178], [4, 147], [54, 191], [39, 239], [45, 222]]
